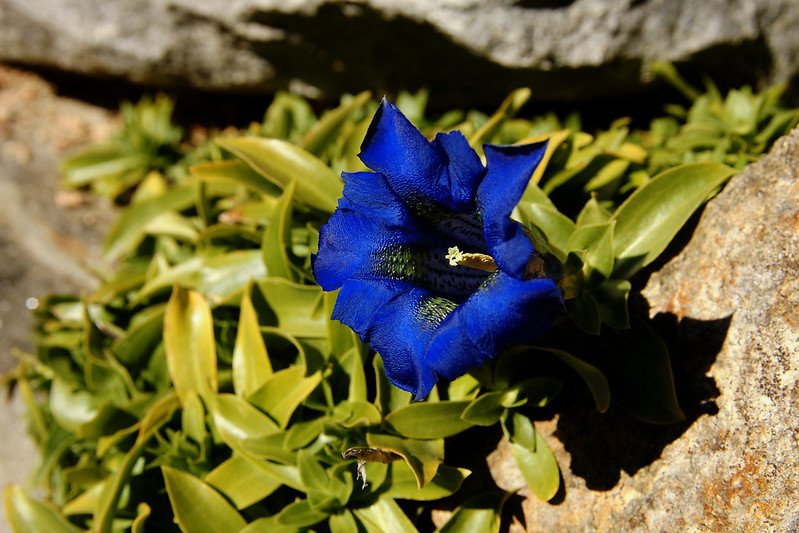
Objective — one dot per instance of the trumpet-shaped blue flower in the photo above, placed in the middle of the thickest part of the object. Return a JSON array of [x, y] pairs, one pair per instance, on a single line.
[[433, 272]]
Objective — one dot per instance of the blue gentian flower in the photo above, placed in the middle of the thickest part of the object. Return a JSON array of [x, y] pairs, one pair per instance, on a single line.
[[433, 272]]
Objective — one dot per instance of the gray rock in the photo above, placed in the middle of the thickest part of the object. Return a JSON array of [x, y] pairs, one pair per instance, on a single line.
[[730, 300], [469, 51]]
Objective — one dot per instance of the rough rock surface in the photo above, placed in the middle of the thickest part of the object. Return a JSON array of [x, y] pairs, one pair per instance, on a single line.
[[470, 51], [47, 238], [731, 303]]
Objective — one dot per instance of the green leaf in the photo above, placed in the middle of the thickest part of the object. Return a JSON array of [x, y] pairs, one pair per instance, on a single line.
[[597, 241], [142, 336], [650, 218], [300, 514], [428, 420], [353, 413], [324, 132], [593, 377], [611, 297], [277, 237], [199, 508], [27, 515], [249, 431], [283, 392], [405, 486], [532, 455], [557, 227], [384, 516], [479, 513], [325, 492], [143, 512], [646, 384], [158, 415], [298, 309], [129, 229], [241, 483], [422, 456], [251, 366], [592, 213], [485, 410], [343, 522], [389, 398], [281, 163], [190, 344], [236, 172]]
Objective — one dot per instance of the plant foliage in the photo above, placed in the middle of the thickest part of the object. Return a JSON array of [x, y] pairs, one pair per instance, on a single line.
[[203, 387]]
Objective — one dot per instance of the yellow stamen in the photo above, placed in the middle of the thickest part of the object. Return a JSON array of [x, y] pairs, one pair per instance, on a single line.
[[477, 261]]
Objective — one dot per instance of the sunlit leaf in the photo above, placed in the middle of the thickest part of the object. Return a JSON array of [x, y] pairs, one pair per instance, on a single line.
[[478, 513], [532, 455], [28, 515], [198, 507], [283, 163], [190, 344], [426, 420], [422, 456], [650, 218], [251, 365]]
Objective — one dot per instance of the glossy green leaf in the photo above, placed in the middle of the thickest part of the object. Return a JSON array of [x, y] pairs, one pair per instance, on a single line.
[[236, 172], [129, 229], [592, 213], [343, 522], [422, 456], [251, 365], [557, 227], [219, 277], [384, 516], [650, 218], [249, 431], [353, 413], [478, 513], [283, 392], [324, 132], [325, 492], [277, 237], [283, 163], [268, 525], [597, 241], [593, 377], [425, 420], [190, 344], [297, 309], [405, 486], [193, 417], [28, 515], [198, 507], [302, 433], [300, 514], [485, 410], [532, 455], [241, 483]]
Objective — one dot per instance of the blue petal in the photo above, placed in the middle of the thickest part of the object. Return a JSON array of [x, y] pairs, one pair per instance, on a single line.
[[464, 170], [504, 311], [509, 171], [396, 319], [396, 149]]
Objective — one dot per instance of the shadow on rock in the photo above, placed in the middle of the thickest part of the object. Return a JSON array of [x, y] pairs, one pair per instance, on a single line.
[[602, 445]]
